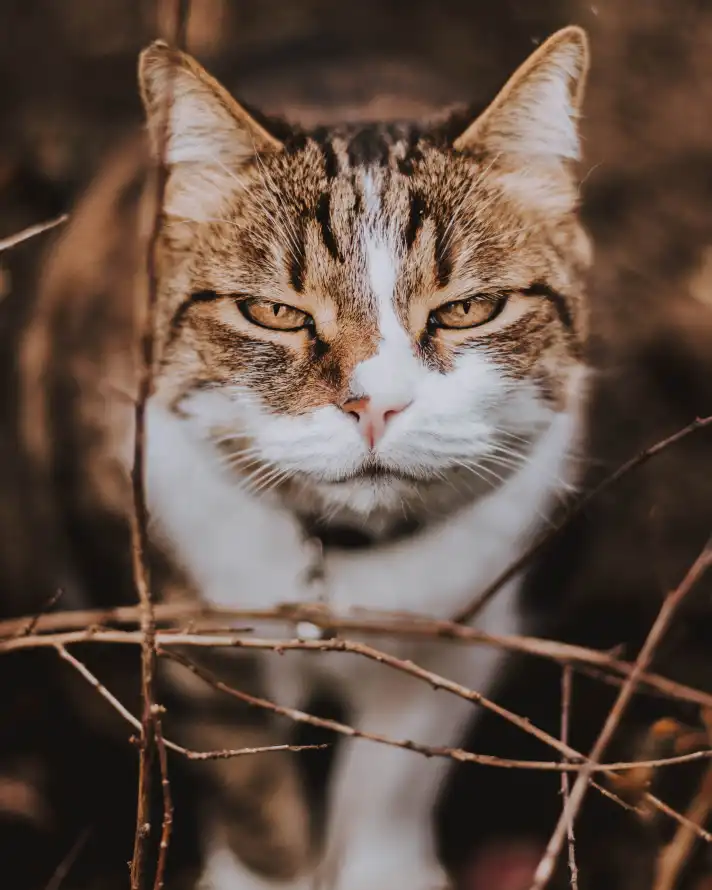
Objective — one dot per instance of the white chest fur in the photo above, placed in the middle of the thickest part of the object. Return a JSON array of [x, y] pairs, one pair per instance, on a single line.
[[246, 552]]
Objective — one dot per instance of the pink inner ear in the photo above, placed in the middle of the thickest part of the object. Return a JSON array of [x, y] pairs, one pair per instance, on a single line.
[[503, 865]]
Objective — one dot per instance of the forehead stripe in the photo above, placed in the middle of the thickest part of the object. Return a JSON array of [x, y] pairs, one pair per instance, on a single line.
[[443, 254], [415, 218], [297, 260], [323, 216], [331, 162]]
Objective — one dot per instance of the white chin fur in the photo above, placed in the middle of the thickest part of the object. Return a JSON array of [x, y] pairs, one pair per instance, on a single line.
[[366, 496]]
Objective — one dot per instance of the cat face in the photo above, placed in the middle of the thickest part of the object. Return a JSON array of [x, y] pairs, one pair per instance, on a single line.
[[373, 318]]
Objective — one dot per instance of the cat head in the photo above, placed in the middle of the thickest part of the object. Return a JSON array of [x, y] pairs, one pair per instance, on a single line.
[[370, 318]]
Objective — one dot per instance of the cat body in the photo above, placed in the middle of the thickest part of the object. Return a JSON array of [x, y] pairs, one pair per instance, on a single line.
[[377, 329], [382, 800]]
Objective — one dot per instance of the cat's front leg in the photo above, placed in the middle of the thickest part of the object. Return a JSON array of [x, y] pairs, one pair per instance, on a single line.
[[381, 825]]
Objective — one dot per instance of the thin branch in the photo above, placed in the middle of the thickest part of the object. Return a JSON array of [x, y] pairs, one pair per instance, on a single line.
[[456, 754], [673, 858], [609, 769], [167, 827], [566, 689], [667, 612], [167, 640], [656, 804], [435, 681], [139, 517], [678, 817], [89, 623], [453, 753], [677, 853], [31, 232], [65, 866], [31, 625], [222, 754], [344, 729], [139, 554], [467, 614], [605, 792]]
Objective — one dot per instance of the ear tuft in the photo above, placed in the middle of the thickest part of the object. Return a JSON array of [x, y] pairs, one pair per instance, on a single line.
[[536, 113]]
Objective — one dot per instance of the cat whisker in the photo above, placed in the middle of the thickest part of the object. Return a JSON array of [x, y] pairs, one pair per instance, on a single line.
[[272, 481], [477, 470], [509, 435], [241, 463]]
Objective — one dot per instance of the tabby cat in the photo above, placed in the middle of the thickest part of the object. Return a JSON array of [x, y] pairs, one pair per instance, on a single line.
[[368, 334]]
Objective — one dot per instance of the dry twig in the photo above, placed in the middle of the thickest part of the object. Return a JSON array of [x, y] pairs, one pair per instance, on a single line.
[[453, 753], [223, 754], [676, 854], [298, 716], [88, 628], [458, 754], [31, 625], [65, 866], [578, 792], [167, 640], [31, 232], [139, 556], [467, 614], [139, 517], [566, 689], [167, 827]]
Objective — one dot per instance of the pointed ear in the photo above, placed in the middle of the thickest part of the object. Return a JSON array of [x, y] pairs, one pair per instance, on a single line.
[[535, 116], [195, 127]]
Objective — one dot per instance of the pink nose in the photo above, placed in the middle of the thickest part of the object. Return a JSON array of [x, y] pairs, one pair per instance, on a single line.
[[371, 420]]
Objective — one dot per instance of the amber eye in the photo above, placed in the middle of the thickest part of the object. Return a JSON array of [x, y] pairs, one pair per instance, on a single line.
[[470, 313], [276, 316]]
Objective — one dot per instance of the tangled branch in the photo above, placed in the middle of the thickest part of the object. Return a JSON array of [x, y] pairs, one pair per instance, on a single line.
[[665, 616]]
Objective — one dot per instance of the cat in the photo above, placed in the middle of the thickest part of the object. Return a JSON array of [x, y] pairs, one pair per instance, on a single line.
[[352, 330], [374, 332]]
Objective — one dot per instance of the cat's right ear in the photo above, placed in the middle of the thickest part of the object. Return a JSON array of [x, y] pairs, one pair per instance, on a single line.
[[196, 129], [532, 127]]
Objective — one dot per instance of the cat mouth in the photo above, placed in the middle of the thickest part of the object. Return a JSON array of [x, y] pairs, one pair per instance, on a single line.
[[377, 472]]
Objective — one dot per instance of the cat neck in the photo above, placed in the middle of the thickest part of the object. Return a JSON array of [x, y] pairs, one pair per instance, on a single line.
[[345, 535]]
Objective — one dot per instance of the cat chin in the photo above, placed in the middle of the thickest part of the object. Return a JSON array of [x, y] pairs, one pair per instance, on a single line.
[[381, 502], [365, 497]]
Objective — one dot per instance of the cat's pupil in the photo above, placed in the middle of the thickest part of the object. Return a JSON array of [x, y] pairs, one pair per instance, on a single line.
[[466, 306], [276, 309]]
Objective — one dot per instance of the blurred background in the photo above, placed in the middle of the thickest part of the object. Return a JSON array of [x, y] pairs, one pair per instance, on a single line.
[[69, 95]]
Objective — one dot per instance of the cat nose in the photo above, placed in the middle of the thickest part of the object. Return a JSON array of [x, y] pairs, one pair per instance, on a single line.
[[372, 419]]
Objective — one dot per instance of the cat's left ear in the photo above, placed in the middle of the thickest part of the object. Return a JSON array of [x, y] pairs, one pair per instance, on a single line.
[[533, 122], [195, 127]]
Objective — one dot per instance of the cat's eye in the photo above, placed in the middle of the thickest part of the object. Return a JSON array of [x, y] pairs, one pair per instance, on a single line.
[[276, 316], [470, 313]]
